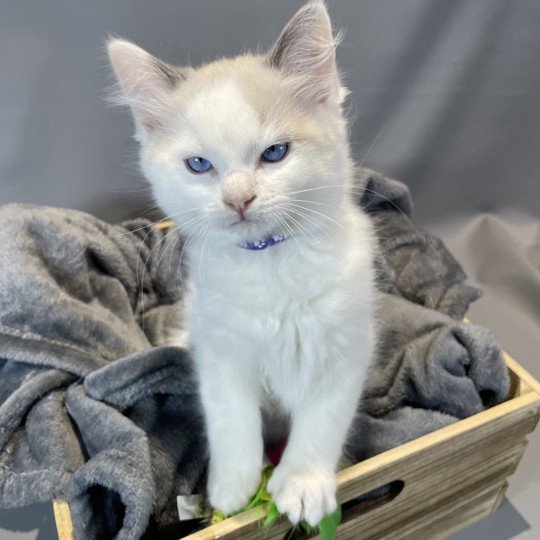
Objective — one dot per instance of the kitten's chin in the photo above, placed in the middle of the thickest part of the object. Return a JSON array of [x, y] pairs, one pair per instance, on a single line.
[[246, 230]]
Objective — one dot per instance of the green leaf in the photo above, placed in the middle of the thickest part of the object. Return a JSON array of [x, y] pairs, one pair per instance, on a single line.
[[328, 525], [273, 514]]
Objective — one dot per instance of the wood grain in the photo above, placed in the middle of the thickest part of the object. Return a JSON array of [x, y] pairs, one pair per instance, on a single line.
[[62, 517]]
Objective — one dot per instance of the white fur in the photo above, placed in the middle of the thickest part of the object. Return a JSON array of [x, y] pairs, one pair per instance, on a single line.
[[289, 324], [285, 329]]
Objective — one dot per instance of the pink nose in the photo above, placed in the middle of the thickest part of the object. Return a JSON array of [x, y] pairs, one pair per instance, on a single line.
[[239, 204]]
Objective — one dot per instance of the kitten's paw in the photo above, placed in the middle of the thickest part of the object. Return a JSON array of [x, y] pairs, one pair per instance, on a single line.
[[230, 488], [303, 494]]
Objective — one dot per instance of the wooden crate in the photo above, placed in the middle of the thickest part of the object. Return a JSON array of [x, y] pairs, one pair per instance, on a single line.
[[440, 483]]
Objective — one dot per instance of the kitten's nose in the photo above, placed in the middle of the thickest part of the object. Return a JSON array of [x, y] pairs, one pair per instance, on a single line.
[[239, 204]]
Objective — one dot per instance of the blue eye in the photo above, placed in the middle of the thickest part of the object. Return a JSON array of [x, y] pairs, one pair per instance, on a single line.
[[198, 164], [276, 152]]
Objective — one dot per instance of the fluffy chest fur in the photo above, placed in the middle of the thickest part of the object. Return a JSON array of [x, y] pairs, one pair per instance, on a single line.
[[286, 312]]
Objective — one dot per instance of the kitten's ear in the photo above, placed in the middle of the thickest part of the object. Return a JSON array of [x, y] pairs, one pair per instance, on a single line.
[[145, 83], [305, 54]]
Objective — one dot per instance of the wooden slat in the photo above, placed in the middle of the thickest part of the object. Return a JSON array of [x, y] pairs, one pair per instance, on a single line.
[[167, 224], [528, 381], [520, 413], [458, 516], [434, 521], [500, 496], [433, 494], [245, 526], [62, 516]]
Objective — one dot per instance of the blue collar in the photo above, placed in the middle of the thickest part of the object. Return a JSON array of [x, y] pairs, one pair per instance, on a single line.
[[269, 241]]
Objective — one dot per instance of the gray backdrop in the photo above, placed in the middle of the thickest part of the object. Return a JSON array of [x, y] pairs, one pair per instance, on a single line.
[[445, 96]]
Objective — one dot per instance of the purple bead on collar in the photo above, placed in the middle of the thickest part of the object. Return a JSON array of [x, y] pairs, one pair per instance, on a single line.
[[265, 243]]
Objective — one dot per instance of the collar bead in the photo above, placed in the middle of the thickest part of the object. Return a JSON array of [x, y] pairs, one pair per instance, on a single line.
[[269, 241]]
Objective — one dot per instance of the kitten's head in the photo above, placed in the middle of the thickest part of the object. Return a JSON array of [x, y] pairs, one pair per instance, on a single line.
[[244, 147]]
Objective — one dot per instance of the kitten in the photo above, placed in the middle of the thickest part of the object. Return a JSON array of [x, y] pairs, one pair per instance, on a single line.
[[249, 156]]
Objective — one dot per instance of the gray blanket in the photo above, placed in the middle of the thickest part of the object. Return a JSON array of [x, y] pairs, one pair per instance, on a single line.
[[97, 409]]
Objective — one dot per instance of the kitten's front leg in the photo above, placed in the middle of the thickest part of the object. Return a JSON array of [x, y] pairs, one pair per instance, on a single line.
[[304, 483], [233, 419]]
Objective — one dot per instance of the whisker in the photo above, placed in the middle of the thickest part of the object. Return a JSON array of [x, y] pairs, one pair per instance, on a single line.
[[205, 237], [286, 225], [168, 246], [320, 214], [184, 247], [395, 206], [359, 190], [126, 190], [298, 224], [319, 226], [141, 289], [173, 248], [143, 243], [165, 236], [372, 145], [153, 224], [281, 230], [314, 189], [311, 202]]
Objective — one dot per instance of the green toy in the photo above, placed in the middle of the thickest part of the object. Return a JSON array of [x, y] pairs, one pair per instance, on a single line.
[[327, 527]]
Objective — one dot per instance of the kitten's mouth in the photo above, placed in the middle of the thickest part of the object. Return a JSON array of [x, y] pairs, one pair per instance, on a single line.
[[246, 221], [241, 220], [250, 228]]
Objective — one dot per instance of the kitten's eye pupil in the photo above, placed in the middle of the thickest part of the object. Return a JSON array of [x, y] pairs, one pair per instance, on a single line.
[[198, 164], [276, 152]]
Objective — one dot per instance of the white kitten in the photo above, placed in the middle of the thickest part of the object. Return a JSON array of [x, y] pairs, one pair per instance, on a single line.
[[250, 157]]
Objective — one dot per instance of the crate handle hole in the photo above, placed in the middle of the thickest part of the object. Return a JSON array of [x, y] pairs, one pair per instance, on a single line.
[[374, 498], [362, 504]]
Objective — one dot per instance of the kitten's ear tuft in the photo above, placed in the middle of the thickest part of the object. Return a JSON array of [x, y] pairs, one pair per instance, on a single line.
[[305, 53], [145, 83]]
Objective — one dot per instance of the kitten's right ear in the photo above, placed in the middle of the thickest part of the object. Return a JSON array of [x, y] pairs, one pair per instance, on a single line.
[[145, 84]]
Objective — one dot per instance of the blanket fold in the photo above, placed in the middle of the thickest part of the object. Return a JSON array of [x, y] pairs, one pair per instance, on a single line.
[[460, 372], [97, 407], [422, 269]]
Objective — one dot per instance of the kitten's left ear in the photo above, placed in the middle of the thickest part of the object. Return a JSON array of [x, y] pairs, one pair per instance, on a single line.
[[305, 54], [146, 84]]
